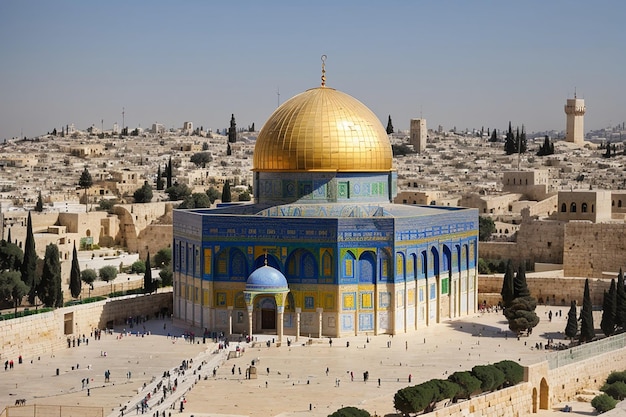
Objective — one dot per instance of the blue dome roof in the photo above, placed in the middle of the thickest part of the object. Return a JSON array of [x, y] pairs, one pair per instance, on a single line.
[[267, 279]]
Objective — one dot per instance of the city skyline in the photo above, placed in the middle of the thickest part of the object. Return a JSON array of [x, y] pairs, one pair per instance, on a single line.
[[470, 65]]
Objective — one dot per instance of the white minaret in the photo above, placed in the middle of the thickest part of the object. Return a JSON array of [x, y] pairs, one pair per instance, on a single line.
[[575, 129]]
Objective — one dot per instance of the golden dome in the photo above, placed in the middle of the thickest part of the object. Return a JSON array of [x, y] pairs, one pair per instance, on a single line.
[[323, 129]]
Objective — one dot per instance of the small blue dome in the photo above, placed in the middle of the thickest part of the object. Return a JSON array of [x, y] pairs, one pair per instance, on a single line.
[[266, 279]]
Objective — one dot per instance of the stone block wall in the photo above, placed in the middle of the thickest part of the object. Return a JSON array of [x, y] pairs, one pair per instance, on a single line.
[[557, 291], [589, 249], [43, 334]]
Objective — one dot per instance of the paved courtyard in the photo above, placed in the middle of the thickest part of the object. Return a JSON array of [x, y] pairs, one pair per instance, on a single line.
[[312, 379]]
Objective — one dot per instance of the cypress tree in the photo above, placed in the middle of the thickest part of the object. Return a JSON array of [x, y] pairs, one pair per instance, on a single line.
[[39, 205], [510, 145], [587, 331], [571, 329], [620, 301], [9, 236], [49, 287], [226, 197], [29, 263], [147, 277], [389, 126], [523, 146], [169, 173], [75, 283], [520, 287], [608, 311], [507, 285], [494, 136], [159, 180]]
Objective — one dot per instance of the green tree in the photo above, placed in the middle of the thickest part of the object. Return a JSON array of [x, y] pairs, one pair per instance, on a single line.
[[200, 159], [178, 192], [195, 200], [513, 372], [29, 264], [226, 196], [163, 257], [521, 314], [571, 329], [85, 182], [166, 276], [587, 330], [523, 144], [11, 256], [75, 284], [106, 204], [616, 376], [508, 292], [494, 136], [159, 179], [138, 267], [12, 287], [39, 205], [607, 324], [468, 384], [143, 194], [50, 285], [148, 285], [510, 144], [620, 301], [88, 276], [490, 377], [213, 194], [520, 287], [350, 412], [107, 273], [389, 126], [486, 227], [603, 403], [617, 390], [168, 175], [245, 196]]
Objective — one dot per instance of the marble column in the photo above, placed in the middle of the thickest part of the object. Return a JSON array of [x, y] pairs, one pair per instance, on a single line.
[[320, 312], [298, 312]]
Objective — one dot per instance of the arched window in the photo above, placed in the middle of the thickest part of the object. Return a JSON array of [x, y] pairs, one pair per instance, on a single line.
[[563, 208], [573, 208], [583, 208]]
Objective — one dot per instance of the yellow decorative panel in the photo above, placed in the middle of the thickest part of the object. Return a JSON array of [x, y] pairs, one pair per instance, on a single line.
[[366, 300], [411, 297], [208, 258], [348, 301], [205, 297], [323, 129], [329, 302]]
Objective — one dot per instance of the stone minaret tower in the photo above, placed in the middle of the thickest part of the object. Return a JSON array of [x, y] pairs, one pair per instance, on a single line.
[[575, 111], [418, 134]]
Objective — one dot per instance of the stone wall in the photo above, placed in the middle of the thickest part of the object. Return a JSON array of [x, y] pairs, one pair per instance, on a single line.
[[590, 249], [536, 242], [134, 218], [43, 334], [544, 388], [557, 291]]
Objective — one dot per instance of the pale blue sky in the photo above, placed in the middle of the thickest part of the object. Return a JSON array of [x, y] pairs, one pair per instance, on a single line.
[[458, 63]]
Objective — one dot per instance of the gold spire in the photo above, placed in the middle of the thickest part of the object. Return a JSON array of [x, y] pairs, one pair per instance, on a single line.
[[323, 70]]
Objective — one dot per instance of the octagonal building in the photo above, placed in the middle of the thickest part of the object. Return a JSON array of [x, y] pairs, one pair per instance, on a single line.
[[338, 258]]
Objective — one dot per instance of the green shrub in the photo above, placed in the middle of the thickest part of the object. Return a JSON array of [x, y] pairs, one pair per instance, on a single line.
[[468, 384], [490, 377], [616, 376], [513, 372], [350, 412], [138, 267], [88, 276], [617, 390], [166, 276], [108, 273], [603, 403]]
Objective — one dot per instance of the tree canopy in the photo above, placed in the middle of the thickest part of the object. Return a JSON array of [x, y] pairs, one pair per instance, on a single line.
[[178, 192], [200, 159], [143, 194], [486, 227], [49, 289], [75, 284], [587, 330]]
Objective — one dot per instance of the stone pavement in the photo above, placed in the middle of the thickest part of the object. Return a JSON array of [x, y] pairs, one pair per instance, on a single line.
[[292, 381]]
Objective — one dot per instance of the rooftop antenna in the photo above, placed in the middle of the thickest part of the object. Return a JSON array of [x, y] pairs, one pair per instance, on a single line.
[[277, 96], [323, 70], [123, 123]]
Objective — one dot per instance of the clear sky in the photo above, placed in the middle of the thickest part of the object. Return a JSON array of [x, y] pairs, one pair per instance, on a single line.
[[456, 63]]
